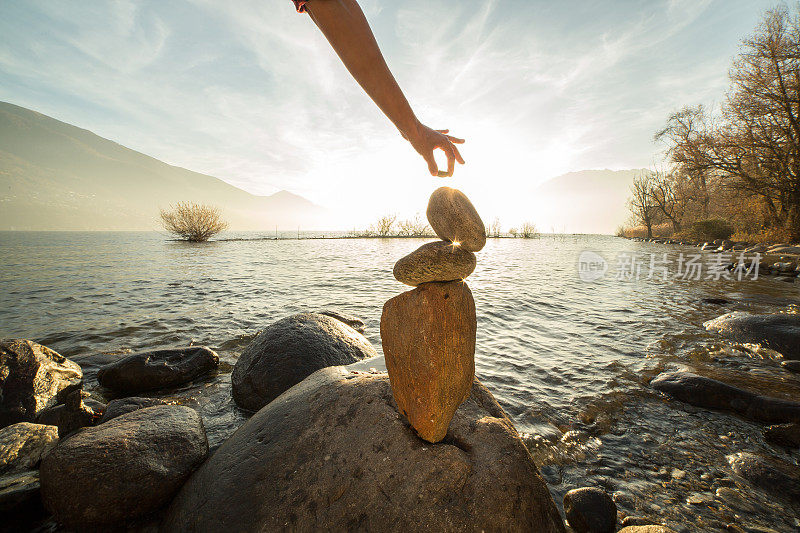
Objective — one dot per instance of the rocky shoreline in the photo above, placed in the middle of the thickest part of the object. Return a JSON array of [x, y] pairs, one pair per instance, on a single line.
[[327, 447], [782, 259]]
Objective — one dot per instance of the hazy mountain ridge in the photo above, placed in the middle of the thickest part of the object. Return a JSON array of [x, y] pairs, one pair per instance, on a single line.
[[587, 201], [55, 176]]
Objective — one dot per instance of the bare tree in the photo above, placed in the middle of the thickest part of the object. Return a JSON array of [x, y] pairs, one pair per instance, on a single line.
[[414, 227], [193, 222], [494, 229], [754, 147], [528, 230], [641, 204], [384, 227], [668, 195]]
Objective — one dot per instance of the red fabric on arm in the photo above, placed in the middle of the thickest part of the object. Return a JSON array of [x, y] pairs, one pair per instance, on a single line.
[[300, 5]]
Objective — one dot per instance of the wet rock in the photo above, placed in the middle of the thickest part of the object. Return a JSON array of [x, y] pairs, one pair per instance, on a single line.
[[715, 301], [32, 378], [590, 510], [122, 406], [712, 394], [333, 454], [22, 446], [453, 218], [771, 475], [428, 337], [791, 366], [18, 493], [636, 521], [70, 416], [783, 435], [290, 350], [734, 499], [646, 529], [123, 469], [352, 321], [786, 250], [158, 369], [780, 332], [435, 261]]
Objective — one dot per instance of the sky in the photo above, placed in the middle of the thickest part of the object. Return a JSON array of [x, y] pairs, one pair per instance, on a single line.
[[249, 91]]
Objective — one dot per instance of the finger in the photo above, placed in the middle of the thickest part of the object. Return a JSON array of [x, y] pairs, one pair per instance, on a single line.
[[433, 168], [451, 158], [458, 155], [455, 140], [442, 131]]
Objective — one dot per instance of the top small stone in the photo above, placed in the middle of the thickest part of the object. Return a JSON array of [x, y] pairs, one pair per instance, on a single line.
[[453, 218]]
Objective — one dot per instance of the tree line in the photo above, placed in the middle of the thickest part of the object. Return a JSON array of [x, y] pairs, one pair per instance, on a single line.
[[738, 166]]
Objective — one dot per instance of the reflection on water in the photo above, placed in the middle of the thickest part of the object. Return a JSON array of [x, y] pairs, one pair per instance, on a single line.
[[568, 360]]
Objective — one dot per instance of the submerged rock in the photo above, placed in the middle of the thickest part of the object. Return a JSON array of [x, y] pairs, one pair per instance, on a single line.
[[70, 416], [771, 475], [19, 492], [23, 445], [32, 378], [791, 366], [158, 369], [779, 332], [783, 435], [123, 469], [352, 321], [646, 529], [333, 454], [590, 510], [288, 351], [712, 394], [428, 337], [122, 406], [453, 217], [435, 261]]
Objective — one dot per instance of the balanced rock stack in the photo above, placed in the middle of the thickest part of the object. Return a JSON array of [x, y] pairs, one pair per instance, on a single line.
[[428, 333]]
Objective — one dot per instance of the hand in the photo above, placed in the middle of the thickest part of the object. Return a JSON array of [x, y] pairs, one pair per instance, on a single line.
[[425, 141]]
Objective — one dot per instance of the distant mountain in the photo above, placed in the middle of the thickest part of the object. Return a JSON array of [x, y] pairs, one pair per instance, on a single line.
[[589, 201], [55, 176]]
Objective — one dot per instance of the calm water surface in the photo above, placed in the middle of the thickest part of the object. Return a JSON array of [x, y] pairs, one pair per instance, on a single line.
[[569, 360]]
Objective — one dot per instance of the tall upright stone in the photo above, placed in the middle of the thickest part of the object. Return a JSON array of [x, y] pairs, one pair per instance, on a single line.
[[428, 337]]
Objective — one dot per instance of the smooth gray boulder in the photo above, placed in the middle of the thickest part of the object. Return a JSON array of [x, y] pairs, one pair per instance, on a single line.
[[288, 351], [122, 406], [779, 332], [334, 454], [712, 394], [22, 446], [158, 369], [123, 469], [32, 378], [590, 510]]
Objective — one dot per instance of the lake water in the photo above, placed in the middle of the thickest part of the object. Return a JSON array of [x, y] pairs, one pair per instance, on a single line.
[[569, 360]]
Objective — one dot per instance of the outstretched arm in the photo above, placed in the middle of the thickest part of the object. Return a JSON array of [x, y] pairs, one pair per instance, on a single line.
[[347, 30]]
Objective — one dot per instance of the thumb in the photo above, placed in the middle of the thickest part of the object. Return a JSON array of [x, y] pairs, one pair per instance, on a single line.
[[432, 167]]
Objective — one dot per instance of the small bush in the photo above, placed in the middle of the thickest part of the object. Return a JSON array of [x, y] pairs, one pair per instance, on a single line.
[[193, 222], [709, 230], [529, 231]]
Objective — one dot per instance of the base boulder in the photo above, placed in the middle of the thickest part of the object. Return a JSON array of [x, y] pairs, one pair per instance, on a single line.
[[334, 454]]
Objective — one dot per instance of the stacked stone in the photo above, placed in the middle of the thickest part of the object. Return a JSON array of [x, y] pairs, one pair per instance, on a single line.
[[428, 333]]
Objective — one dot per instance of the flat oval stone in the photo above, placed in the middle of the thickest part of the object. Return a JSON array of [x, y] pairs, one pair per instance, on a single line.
[[435, 261], [453, 217]]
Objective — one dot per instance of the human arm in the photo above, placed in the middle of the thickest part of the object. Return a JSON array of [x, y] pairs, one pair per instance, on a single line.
[[347, 30]]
